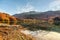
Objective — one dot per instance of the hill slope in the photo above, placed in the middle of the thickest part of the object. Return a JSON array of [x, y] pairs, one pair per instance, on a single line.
[[37, 15]]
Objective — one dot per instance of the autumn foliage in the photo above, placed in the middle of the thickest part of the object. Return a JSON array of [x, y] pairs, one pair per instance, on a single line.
[[6, 18]]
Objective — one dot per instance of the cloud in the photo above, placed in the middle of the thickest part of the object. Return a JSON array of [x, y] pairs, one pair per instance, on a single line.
[[28, 7], [3, 11], [54, 5]]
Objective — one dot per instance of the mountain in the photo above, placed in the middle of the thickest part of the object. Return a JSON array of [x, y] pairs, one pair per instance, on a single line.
[[37, 15]]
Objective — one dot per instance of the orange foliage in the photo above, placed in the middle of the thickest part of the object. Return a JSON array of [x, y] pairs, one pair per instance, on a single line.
[[6, 17], [1, 38]]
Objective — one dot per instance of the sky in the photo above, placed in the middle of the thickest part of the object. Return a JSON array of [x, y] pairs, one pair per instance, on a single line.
[[19, 6]]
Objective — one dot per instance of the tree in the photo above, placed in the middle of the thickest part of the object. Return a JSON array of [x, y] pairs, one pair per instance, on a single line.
[[57, 21]]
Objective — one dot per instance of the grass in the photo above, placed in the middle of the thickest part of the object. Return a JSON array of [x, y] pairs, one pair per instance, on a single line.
[[55, 28], [10, 33]]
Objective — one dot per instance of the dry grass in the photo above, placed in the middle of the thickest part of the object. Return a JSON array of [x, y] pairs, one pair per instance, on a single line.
[[13, 33]]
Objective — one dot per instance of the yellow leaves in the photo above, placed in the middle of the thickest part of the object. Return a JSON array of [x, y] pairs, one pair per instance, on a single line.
[[30, 21], [50, 21]]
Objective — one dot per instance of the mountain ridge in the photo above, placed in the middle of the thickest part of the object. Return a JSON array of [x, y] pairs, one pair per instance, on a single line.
[[37, 15]]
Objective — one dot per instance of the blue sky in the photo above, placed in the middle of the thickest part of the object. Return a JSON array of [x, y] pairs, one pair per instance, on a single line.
[[18, 6]]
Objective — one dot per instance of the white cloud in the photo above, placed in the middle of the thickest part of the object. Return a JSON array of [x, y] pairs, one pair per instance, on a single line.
[[28, 7], [3, 11], [55, 5]]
